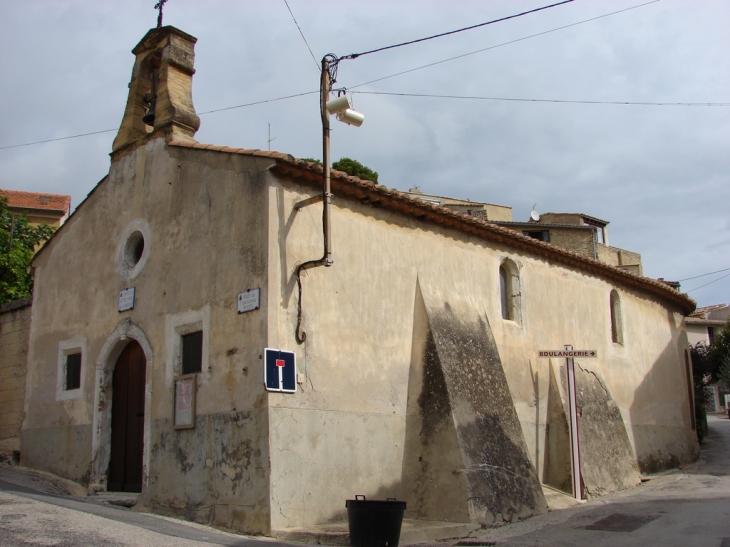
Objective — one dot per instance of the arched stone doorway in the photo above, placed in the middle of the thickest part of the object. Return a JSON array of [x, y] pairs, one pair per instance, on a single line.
[[126, 334], [128, 409]]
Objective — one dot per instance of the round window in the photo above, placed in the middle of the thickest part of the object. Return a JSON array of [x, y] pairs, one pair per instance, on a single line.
[[134, 249]]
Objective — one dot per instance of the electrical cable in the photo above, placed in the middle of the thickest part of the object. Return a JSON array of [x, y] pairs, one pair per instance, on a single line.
[[356, 55], [256, 102], [704, 275], [199, 114], [58, 139], [710, 283], [364, 83], [534, 100], [303, 38], [502, 44]]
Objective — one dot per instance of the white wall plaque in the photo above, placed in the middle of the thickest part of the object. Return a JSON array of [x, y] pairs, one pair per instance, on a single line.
[[248, 300], [126, 299]]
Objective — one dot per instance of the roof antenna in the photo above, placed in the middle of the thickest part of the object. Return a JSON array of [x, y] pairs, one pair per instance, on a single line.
[[270, 139], [158, 6]]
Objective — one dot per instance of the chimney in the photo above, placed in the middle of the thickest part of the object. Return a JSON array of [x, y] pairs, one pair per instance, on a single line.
[[162, 77]]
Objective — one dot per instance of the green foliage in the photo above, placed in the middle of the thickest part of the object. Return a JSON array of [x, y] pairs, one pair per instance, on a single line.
[[355, 169], [313, 160], [16, 279], [702, 375], [719, 354], [710, 364], [702, 368]]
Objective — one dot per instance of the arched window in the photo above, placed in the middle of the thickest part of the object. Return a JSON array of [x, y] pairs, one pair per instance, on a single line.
[[617, 326], [509, 290]]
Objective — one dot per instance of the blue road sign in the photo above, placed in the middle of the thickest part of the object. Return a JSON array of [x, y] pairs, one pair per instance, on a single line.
[[280, 370]]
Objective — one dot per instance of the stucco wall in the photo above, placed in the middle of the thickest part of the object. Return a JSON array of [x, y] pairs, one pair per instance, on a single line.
[[219, 223], [203, 220], [358, 316], [14, 332]]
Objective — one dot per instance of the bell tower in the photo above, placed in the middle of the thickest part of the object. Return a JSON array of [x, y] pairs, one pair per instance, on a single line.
[[160, 102]]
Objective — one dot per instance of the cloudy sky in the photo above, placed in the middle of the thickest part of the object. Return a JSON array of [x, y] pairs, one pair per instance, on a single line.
[[659, 173]]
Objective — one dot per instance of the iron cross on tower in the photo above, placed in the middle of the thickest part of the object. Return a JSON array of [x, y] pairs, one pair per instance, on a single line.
[[158, 6]]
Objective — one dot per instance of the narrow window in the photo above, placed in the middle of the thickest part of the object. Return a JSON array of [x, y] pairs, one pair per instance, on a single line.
[[504, 292], [192, 352], [73, 371], [600, 235], [509, 288], [617, 329]]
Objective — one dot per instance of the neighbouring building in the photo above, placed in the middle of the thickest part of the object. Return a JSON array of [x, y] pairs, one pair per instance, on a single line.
[[14, 333], [417, 374], [41, 208], [582, 234], [703, 323], [480, 210], [701, 326]]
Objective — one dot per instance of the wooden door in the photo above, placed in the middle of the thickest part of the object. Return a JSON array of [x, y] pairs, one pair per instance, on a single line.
[[128, 388]]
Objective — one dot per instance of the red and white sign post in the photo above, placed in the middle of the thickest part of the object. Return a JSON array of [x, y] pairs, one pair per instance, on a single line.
[[569, 355]]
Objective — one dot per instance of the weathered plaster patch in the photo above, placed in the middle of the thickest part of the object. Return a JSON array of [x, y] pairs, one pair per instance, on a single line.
[[607, 460], [214, 473], [501, 480]]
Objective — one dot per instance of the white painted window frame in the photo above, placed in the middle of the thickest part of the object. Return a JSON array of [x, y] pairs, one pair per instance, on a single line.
[[66, 348], [176, 326]]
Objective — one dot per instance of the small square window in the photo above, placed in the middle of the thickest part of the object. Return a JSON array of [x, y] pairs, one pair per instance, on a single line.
[[73, 371], [192, 352]]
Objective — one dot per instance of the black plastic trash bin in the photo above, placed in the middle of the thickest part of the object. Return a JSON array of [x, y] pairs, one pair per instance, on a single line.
[[374, 523]]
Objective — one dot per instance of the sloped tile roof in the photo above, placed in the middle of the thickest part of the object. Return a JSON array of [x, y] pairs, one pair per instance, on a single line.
[[37, 200], [701, 312], [378, 195], [702, 321]]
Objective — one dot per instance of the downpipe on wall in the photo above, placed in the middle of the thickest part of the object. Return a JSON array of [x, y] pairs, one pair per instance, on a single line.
[[328, 61]]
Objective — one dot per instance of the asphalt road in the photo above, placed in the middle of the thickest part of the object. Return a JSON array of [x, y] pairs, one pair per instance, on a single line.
[[683, 508], [29, 517]]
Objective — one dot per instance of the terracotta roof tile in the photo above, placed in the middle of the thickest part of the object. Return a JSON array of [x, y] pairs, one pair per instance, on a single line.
[[37, 200], [402, 202], [701, 321], [707, 309]]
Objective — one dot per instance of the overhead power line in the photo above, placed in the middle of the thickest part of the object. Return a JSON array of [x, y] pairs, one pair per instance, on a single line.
[[199, 114], [356, 55], [258, 102], [369, 82], [705, 275], [303, 38], [534, 100], [502, 44], [710, 283], [58, 139]]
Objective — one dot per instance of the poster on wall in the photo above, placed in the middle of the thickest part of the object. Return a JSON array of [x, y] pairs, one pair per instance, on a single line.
[[184, 401], [280, 370]]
